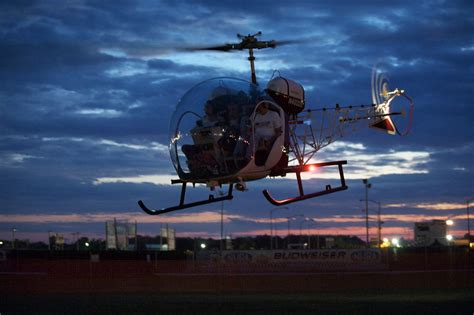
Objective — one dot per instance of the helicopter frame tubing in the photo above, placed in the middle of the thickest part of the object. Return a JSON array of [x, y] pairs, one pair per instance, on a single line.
[[304, 146], [183, 205], [298, 169]]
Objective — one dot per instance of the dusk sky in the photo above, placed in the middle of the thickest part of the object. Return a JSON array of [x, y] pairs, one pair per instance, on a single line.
[[87, 90]]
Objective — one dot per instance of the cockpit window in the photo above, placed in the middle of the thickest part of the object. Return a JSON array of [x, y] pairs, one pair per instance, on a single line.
[[210, 128]]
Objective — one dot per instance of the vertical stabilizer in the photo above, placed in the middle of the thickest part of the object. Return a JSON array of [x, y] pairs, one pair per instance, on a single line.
[[385, 124]]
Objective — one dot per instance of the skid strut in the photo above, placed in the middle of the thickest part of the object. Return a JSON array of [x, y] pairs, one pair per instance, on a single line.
[[302, 196], [183, 205]]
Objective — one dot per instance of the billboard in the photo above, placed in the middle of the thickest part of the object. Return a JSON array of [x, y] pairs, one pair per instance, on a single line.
[[294, 260], [118, 234], [170, 236]]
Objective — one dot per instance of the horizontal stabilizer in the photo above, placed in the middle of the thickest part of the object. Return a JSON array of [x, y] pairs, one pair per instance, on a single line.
[[386, 124]]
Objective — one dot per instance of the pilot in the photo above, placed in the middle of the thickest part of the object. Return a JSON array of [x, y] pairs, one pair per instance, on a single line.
[[267, 125]]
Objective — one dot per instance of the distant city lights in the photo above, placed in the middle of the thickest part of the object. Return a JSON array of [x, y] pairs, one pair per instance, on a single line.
[[385, 243], [395, 242]]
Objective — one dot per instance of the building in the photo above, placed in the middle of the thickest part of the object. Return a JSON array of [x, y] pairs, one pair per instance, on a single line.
[[431, 233]]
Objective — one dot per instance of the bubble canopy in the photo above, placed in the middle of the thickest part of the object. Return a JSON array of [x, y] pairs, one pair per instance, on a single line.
[[209, 129]]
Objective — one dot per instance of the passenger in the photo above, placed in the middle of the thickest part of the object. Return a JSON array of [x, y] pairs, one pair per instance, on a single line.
[[232, 129], [203, 156], [210, 118], [233, 116]]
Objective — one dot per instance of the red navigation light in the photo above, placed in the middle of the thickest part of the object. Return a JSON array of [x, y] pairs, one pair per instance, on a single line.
[[311, 168]]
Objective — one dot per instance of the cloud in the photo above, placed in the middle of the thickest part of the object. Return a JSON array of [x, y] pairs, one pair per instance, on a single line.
[[430, 206], [140, 179], [88, 90], [369, 162], [15, 159]]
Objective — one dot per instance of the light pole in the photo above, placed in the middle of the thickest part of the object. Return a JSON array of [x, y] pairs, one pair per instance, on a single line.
[[288, 235], [311, 220], [468, 222], [221, 193], [76, 238], [271, 224], [367, 186], [13, 237], [49, 239], [379, 227], [379, 220]]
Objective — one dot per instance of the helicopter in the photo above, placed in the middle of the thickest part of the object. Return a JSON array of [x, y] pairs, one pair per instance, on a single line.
[[229, 131]]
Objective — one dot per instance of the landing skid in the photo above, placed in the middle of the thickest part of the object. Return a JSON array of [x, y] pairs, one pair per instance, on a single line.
[[183, 205], [302, 196]]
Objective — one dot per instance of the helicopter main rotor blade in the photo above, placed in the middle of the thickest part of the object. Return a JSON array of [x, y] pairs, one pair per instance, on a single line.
[[289, 41], [146, 50], [225, 48], [245, 44]]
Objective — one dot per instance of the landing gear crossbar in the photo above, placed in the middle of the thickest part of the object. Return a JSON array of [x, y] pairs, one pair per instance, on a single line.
[[182, 204], [302, 196]]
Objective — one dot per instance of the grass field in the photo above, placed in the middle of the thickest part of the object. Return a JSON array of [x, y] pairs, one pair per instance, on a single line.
[[458, 301], [408, 285]]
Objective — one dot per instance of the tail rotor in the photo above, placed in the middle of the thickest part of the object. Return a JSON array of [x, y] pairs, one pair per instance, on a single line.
[[392, 114]]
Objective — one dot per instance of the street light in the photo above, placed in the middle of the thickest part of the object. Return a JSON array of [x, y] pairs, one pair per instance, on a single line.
[[449, 237], [367, 186], [271, 224]]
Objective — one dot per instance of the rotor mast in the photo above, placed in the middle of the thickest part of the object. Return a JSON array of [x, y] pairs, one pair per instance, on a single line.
[[251, 42], [252, 66]]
